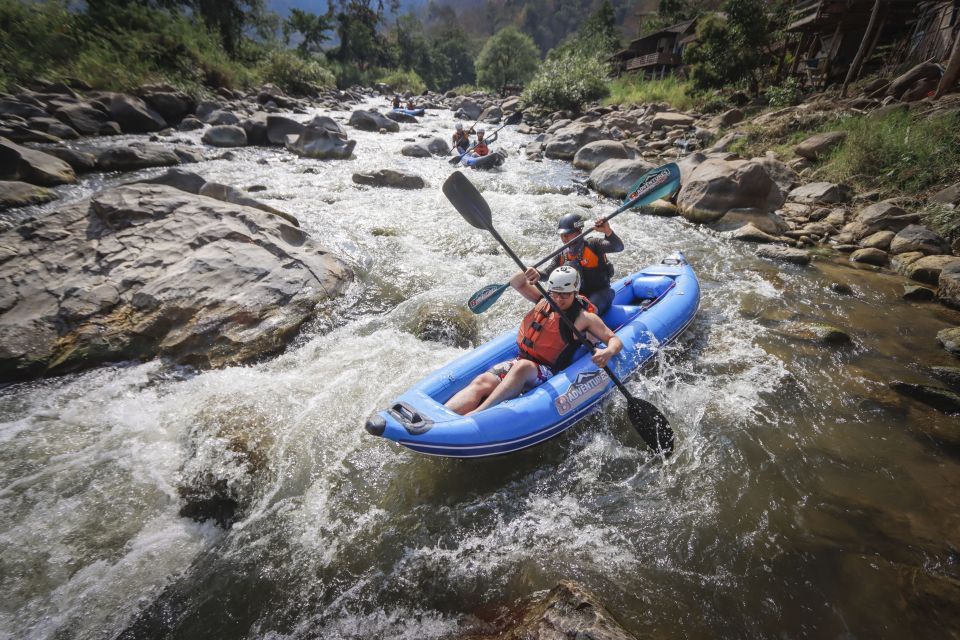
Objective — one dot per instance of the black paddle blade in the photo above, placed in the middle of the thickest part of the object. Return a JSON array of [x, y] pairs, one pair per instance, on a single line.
[[651, 424], [467, 200]]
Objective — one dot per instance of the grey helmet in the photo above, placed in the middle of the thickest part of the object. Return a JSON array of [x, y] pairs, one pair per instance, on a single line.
[[571, 223]]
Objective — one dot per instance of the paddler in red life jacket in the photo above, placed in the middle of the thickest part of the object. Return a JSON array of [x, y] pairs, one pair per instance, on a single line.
[[589, 257], [480, 148], [545, 343], [461, 138], [396, 102], [410, 105]]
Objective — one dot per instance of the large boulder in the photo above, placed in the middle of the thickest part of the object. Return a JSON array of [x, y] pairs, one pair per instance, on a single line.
[[20, 194], [785, 254], [880, 216], [219, 117], [949, 339], [390, 178], [922, 71], [434, 147], [372, 121], [279, 127], [133, 115], [179, 179], [83, 118], [616, 178], [136, 156], [140, 271], [948, 285], [716, 187], [81, 161], [593, 154], [35, 167], [870, 255], [328, 123], [928, 269], [818, 145], [564, 143], [321, 144], [171, 103], [916, 237], [949, 196], [669, 119], [225, 135], [821, 193], [470, 107]]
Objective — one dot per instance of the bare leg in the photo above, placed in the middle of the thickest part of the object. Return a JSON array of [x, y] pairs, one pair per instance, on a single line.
[[470, 396], [522, 374]]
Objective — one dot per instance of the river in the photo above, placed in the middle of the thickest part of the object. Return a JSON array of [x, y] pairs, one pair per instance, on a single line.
[[805, 499]]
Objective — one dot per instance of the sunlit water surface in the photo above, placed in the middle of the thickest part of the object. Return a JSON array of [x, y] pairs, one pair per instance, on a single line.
[[805, 499]]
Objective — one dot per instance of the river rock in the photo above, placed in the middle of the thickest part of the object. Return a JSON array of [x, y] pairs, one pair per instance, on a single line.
[[80, 161], [879, 240], [321, 144], [390, 178], [568, 611], [190, 124], [220, 117], [877, 257], [226, 193], [815, 332], [663, 208], [940, 399], [471, 108], [54, 127], [21, 134], [785, 254], [948, 285], [136, 156], [372, 121], [133, 115], [928, 268], [593, 154], [179, 179], [949, 375], [145, 270], [949, 339], [918, 293], [20, 194], [83, 118], [879, 216], [450, 324], [491, 115], [917, 237], [821, 193], [901, 263], [949, 196], [225, 135], [820, 144], [415, 151], [669, 119], [28, 165], [564, 143], [750, 233], [785, 177], [13, 107], [279, 127], [922, 71], [171, 103], [717, 186], [617, 177]]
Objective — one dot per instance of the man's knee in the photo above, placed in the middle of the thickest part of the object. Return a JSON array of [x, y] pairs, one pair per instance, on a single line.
[[485, 383]]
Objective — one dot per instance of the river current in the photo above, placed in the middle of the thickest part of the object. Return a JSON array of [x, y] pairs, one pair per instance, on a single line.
[[804, 500]]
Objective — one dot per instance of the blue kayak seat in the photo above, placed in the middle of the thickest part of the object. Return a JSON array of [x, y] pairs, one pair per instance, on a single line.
[[620, 314], [650, 287]]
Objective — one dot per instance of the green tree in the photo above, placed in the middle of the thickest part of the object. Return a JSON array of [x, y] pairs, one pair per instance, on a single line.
[[311, 27], [599, 34], [358, 23], [508, 57]]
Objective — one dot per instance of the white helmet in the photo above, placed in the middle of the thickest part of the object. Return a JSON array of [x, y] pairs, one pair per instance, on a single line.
[[459, 126], [564, 280], [481, 130]]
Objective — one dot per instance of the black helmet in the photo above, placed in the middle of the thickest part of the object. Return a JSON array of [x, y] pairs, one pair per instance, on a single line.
[[571, 223]]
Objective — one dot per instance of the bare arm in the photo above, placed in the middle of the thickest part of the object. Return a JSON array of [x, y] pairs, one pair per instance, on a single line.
[[523, 281], [592, 323]]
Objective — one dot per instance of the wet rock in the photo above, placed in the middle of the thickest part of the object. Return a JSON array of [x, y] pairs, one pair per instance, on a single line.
[[879, 240], [226, 193], [21, 194], [54, 127], [28, 165], [140, 271], [564, 143], [225, 135], [750, 233], [83, 118], [10, 106], [916, 237], [569, 610], [877, 257], [820, 144], [842, 288], [821, 193], [785, 254], [450, 324], [662, 208], [948, 285], [136, 156], [21, 134], [881, 216], [372, 121], [133, 115], [916, 293], [219, 117], [109, 128], [179, 179], [595, 153], [901, 263], [717, 186], [927, 269], [171, 103], [190, 124], [949, 375], [491, 115], [940, 399], [321, 143], [815, 332], [949, 339], [187, 155], [390, 178], [617, 177], [433, 147], [415, 151]]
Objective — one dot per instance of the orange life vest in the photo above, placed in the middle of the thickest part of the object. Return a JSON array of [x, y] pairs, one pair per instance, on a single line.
[[540, 338], [588, 259], [481, 149]]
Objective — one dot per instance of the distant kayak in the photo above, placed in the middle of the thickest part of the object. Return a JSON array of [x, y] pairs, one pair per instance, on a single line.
[[651, 308], [488, 161], [411, 112]]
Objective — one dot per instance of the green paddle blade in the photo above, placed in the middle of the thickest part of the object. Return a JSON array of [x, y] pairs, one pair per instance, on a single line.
[[468, 201], [655, 184], [651, 424], [486, 297]]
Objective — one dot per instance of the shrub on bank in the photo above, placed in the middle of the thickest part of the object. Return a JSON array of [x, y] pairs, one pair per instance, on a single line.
[[634, 89], [295, 74], [567, 82], [404, 80]]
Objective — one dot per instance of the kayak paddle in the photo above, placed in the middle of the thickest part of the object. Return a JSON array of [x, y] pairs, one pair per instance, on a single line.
[[514, 118], [648, 421], [657, 183]]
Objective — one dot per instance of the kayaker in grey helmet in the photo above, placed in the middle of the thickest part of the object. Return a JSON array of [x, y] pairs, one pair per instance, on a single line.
[[589, 257]]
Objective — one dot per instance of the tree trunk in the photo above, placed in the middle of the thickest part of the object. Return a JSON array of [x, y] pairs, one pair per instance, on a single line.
[[832, 53], [953, 69], [864, 45]]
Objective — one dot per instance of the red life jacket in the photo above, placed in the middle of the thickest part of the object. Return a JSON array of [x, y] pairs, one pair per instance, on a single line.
[[481, 149], [540, 337]]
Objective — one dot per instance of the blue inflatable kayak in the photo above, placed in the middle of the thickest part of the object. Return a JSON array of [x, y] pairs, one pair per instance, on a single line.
[[411, 112], [651, 308], [488, 161]]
